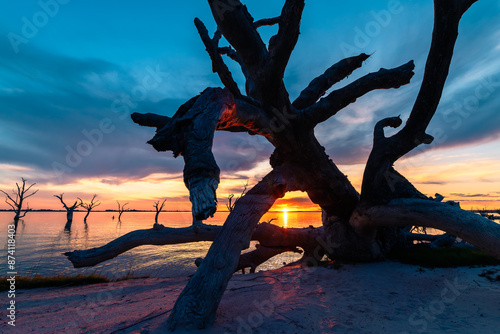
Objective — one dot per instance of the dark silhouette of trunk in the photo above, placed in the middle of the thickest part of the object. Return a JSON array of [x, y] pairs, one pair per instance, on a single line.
[[158, 207], [121, 210], [69, 211], [16, 202], [356, 227], [89, 206]]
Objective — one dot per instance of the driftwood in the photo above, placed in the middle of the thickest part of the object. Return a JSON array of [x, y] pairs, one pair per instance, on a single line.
[[273, 240], [356, 227]]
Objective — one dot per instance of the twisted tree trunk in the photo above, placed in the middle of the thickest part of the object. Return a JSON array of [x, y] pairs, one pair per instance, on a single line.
[[359, 227]]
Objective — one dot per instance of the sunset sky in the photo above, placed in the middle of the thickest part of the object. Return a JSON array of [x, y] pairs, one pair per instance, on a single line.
[[71, 73]]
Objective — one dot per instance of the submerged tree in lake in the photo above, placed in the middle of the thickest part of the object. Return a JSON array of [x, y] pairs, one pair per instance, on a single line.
[[121, 210], [16, 201], [356, 227], [89, 206], [158, 207], [69, 210]]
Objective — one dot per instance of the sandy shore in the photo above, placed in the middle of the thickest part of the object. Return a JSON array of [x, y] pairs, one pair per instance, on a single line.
[[383, 297]]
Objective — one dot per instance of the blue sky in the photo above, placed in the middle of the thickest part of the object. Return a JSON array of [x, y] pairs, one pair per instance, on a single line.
[[83, 69]]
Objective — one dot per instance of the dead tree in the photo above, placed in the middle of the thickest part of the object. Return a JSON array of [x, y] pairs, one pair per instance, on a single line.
[[230, 204], [89, 206], [121, 209], [69, 210], [158, 207], [16, 202], [356, 227]]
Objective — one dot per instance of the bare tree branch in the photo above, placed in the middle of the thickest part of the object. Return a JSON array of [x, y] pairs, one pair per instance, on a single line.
[[61, 199], [20, 195], [261, 254], [89, 206], [339, 99], [158, 207], [230, 205], [446, 20], [318, 87], [477, 230], [381, 183], [267, 22], [237, 26], [218, 65], [25, 211], [121, 209], [8, 198], [231, 53], [282, 44], [151, 120], [268, 235]]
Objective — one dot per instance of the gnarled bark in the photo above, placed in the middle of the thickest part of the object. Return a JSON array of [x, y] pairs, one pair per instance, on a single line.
[[360, 227], [476, 230]]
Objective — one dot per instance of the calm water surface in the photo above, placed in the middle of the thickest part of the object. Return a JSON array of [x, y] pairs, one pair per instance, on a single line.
[[41, 239]]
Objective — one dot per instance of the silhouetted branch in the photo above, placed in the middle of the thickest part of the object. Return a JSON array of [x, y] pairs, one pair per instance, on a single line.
[[282, 44], [237, 26], [151, 120], [230, 205], [73, 207], [318, 86], [473, 228], [339, 99], [218, 65], [121, 209], [267, 22], [231, 53], [89, 206], [447, 14], [381, 183], [21, 193]]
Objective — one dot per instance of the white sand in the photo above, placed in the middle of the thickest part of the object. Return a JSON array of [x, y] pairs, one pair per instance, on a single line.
[[366, 298]]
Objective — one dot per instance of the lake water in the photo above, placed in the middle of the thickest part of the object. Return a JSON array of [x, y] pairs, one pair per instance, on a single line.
[[41, 241]]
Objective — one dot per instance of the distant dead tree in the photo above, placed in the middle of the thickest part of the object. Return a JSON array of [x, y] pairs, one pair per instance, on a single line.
[[158, 207], [89, 206], [16, 202], [230, 204], [69, 209], [121, 210]]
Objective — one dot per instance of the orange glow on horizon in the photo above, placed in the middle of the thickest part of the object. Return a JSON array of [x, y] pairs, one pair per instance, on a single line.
[[465, 174], [285, 218]]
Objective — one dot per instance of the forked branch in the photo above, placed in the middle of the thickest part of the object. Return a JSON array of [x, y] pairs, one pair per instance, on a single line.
[[158, 208], [218, 65], [339, 99], [318, 87], [237, 26], [20, 195]]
